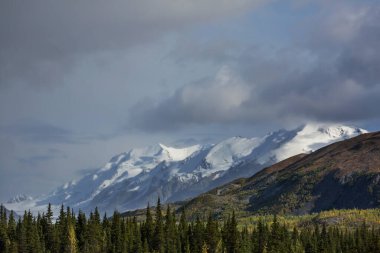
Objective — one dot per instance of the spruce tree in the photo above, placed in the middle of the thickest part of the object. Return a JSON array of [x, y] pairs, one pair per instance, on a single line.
[[170, 232], [71, 246], [158, 236], [212, 234], [231, 234], [94, 233], [21, 235], [116, 233], [198, 236], [136, 236], [275, 238], [260, 241], [81, 230], [4, 240], [148, 228], [244, 239], [106, 228], [47, 229], [183, 232], [12, 233]]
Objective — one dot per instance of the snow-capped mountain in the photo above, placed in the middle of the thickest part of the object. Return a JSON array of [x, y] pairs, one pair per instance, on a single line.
[[19, 198], [130, 180]]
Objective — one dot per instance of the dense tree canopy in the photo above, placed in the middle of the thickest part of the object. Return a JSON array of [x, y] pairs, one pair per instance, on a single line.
[[162, 233]]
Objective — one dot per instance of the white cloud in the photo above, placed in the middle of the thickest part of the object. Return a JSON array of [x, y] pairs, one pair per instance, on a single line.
[[216, 100], [221, 96]]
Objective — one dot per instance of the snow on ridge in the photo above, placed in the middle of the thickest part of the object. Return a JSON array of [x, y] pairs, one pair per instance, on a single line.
[[228, 152], [135, 172], [179, 154], [341, 131], [314, 136], [332, 130], [232, 148], [137, 153], [132, 164], [19, 198], [114, 160]]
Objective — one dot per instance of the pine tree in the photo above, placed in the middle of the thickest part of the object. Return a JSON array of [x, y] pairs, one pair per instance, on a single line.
[[31, 233], [198, 236], [81, 230], [183, 232], [61, 230], [158, 236], [244, 245], [106, 234], [4, 240], [275, 238], [231, 234], [170, 232], [296, 246], [40, 233], [12, 233], [190, 234], [212, 234], [148, 229], [21, 236], [66, 231], [116, 233], [145, 248], [136, 236], [94, 233], [260, 240], [47, 229], [71, 246]]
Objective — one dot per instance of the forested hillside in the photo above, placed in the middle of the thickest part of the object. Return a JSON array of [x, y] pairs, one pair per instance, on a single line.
[[164, 232]]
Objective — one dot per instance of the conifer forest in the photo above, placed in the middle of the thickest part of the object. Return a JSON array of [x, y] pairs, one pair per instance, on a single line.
[[162, 232]]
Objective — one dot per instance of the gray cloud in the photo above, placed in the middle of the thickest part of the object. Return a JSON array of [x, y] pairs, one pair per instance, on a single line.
[[216, 50], [41, 40], [207, 101], [34, 161], [334, 79], [38, 132], [37, 160]]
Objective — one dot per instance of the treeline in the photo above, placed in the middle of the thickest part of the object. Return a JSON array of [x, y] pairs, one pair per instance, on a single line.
[[164, 234]]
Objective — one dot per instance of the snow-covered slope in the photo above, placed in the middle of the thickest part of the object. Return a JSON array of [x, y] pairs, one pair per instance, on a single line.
[[131, 180]]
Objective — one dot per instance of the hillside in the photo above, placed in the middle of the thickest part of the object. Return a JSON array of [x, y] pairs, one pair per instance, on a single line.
[[342, 175]]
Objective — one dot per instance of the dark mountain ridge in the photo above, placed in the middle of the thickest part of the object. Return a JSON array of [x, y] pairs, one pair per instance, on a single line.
[[342, 175]]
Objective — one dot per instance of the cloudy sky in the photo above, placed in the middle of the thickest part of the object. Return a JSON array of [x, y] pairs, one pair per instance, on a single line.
[[81, 81]]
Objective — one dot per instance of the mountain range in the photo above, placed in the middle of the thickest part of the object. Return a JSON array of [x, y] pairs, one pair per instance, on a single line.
[[132, 179], [343, 175]]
